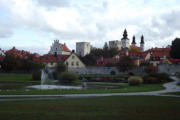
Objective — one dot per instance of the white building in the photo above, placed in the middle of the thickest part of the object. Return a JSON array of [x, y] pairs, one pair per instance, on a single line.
[[83, 48], [115, 43], [59, 49], [125, 40]]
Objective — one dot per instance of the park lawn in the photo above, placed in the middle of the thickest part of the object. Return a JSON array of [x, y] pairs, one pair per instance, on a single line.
[[16, 81], [99, 108], [15, 77], [140, 88], [173, 93]]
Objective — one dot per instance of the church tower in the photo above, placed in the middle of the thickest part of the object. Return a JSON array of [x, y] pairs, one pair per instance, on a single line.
[[142, 43], [125, 40], [134, 41]]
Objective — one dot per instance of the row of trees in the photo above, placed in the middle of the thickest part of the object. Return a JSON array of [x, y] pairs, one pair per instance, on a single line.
[[96, 53], [16, 64]]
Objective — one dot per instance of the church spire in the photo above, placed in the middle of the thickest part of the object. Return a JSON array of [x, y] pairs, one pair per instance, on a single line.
[[125, 35], [142, 39], [134, 41]]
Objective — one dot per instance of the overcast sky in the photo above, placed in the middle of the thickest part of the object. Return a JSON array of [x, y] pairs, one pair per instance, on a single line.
[[33, 25]]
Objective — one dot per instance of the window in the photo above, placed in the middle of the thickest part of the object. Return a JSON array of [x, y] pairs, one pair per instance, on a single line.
[[77, 63], [72, 63], [73, 57], [67, 63]]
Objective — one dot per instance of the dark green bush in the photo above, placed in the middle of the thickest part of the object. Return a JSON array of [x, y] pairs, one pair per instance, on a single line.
[[156, 78], [36, 75], [150, 79], [135, 80], [67, 77]]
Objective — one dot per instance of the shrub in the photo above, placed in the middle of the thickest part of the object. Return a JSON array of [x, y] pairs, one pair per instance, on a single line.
[[150, 68], [157, 78], [36, 75], [135, 80], [149, 79], [68, 77]]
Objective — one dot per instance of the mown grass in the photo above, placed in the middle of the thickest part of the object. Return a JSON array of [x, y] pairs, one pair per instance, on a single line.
[[103, 108], [173, 93], [141, 88], [14, 77]]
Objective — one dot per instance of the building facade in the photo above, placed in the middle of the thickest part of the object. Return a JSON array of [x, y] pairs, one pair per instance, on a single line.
[[83, 48], [59, 49], [124, 43], [115, 43]]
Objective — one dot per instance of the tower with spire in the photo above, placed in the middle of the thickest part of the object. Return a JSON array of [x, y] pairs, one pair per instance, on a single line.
[[125, 40], [134, 41], [142, 43]]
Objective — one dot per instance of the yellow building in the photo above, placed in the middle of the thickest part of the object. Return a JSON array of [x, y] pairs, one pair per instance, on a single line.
[[74, 62]]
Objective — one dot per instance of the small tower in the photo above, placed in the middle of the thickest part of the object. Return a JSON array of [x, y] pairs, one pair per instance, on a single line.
[[142, 43], [134, 41], [125, 40]]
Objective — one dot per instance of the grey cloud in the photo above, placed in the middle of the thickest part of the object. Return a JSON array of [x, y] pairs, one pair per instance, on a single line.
[[53, 3]]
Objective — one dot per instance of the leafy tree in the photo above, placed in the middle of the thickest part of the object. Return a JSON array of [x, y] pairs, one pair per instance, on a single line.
[[113, 52], [125, 64], [105, 48], [150, 69], [9, 63], [61, 67], [134, 49], [175, 48]]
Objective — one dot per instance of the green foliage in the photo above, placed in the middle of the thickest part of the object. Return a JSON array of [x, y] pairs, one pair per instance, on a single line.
[[14, 63], [175, 48], [36, 75], [135, 80], [60, 67], [9, 63], [68, 77], [97, 53], [156, 78], [125, 64]]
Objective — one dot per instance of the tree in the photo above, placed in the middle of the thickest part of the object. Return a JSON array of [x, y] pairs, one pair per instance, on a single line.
[[125, 64], [150, 69], [113, 52], [175, 48], [105, 48], [9, 63], [134, 49], [61, 67]]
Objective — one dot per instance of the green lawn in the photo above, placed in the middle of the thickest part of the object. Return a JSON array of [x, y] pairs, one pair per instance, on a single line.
[[141, 88], [16, 83], [103, 108], [174, 93]]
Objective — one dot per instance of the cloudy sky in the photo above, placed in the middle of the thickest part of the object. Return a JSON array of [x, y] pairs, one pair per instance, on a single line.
[[32, 25]]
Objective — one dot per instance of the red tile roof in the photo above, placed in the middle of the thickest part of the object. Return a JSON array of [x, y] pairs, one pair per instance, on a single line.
[[159, 53], [65, 48], [18, 53], [52, 58]]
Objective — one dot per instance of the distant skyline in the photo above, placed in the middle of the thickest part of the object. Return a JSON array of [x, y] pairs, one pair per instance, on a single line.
[[33, 25]]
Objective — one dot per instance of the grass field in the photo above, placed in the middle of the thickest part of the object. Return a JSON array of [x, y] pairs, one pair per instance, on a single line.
[[13, 84], [103, 108], [16, 81], [174, 93]]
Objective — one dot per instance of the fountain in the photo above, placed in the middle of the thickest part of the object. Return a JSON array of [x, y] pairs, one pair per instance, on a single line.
[[48, 81]]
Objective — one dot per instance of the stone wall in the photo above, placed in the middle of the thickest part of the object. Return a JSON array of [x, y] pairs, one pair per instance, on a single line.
[[169, 68], [95, 70]]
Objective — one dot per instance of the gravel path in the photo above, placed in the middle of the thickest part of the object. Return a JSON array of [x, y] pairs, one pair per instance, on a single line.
[[170, 87]]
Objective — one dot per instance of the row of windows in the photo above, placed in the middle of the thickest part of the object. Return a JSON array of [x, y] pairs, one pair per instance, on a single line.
[[73, 63]]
